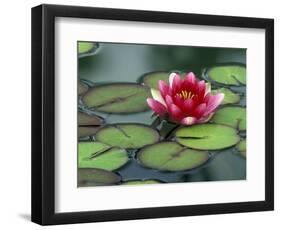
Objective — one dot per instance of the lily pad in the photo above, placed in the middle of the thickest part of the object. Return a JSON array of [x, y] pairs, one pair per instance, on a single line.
[[117, 98], [228, 74], [207, 136], [85, 119], [101, 156], [229, 96], [85, 131], [137, 182], [86, 47], [127, 135], [241, 147], [96, 177], [82, 88], [151, 79], [231, 116], [170, 156]]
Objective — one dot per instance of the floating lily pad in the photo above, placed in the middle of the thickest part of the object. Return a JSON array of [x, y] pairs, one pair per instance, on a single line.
[[102, 156], [86, 47], [137, 182], [228, 75], [229, 96], [96, 177], [241, 147], [85, 119], [207, 136], [170, 156], [85, 131], [231, 116], [117, 98], [127, 135], [151, 79], [82, 88]]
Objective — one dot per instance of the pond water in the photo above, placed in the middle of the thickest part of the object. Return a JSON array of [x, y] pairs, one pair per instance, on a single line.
[[112, 62]]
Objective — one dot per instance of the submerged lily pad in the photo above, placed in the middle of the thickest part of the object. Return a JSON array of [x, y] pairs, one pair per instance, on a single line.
[[127, 135], [229, 96], [137, 182], [228, 74], [85, 131], [117, 98], [82, 88], [85, 119], [231, 116], [241, 147], [102, 156], [151, 79], [170, 156], [96, 177], [86, 47], [207, 136]]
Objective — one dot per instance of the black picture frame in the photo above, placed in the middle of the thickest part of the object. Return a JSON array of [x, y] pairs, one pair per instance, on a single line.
[[43, 110]]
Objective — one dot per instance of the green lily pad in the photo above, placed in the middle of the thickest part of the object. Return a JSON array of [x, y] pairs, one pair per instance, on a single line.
[[228, 74], [151, 79], [96, 177], [86, 47], [229, 96], [85, 131], [137, 182], [117, 98], [207, 136], [82, 88], [241, 147], [101, 156], [85, 119], [231, 116], [170, 156], [127, 135]]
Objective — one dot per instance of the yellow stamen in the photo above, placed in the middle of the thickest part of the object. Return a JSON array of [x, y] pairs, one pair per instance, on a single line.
[[185, 95]]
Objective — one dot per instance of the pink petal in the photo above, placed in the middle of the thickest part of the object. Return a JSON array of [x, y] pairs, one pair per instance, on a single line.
[[200, 110], [169, 100], [190, 78], [156, 106], [188, 105], [171, 79], [157, 96], [175, 113], [201, 88], [214, 102], [188, 120], [163, 87], [178, 101], [206, 119], [177, 83]]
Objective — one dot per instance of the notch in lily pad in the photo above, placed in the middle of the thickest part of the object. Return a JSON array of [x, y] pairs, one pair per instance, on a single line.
[[234, 116], [117, 98], [128, 135], [207, 136], [101, 156], [229, 96], [170, 156], [96, 177], [228, 74]]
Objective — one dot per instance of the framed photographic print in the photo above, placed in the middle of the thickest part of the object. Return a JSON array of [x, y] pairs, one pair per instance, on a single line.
[[141, 114]]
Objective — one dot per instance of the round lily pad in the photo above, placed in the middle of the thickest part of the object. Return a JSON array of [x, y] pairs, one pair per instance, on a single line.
[[207, 136], [231, 116], [96, 177], [102, 156], [170, 156], [228, 74], [241, 147], [127, 135], [82, 88], [86, 47], [151, 79], [117, 98], [85, 131], [85, 119], [137, 182], [229, 96]]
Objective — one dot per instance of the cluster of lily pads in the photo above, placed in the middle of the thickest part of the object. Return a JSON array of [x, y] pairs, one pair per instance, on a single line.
[[104, 148]]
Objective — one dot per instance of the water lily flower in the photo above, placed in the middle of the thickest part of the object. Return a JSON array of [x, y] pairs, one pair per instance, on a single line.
[[184, 101]]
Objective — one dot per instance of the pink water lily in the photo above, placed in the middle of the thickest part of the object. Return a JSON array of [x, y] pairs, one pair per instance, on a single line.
[[185, 101]]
